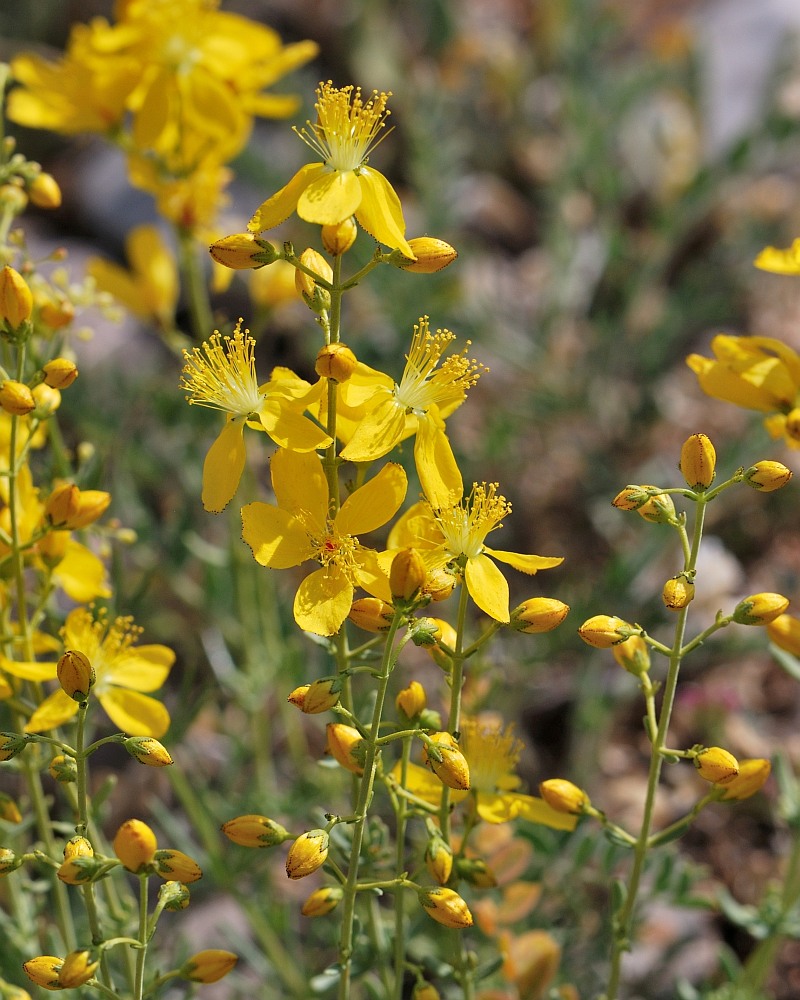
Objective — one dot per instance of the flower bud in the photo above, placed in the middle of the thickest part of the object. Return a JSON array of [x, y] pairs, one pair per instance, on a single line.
[[476, 872], [425, 991], [678, 593], [439, 860], [445, 906], [9, 810], [47, 400], [75, 675], [71, 508], [16, 301], [339, 238], [698, 462], [148, 751], [563, 796], [209, 966], [784, 631], [16, 398], [135, 845], [538, 614], [443, 634], [63, 768], [371, 614], [760, 609], [658, 510], [336, 362], [77, 969], [175, 866], [792, 425], [78, 847], [432, 255], [11, 744], [318, 299], [53, 547], [767, 476], [442, 755], [8, 991], [242, 251], [44, 191], [407, 575], [320, 696], [255, 831], [439, 584], [62, 504], [60, 373], [56, 313], [716, 765], [345, 745], [307, 854], [604, 631], [412, 700], [633, 655], [532, 963], [9, 861], [12, 198], [174, 895], [751, 778], [44, 971], [632, 498], [322, 901]]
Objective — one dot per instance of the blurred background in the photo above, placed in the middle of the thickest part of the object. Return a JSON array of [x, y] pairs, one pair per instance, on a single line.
[[608, 172]]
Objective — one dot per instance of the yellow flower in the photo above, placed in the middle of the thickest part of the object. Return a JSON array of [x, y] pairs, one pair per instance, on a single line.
[[221, 374], [342, 184], [456, 535], [757, 373], [123, 671], [780, 261], [425, 395], [150, 288], [492, 753], [302, 527]]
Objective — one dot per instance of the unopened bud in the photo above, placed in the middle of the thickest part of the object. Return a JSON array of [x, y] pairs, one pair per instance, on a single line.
[[446, 907], [11, 744], [322, 901], [75, 674], [9, 810], [716, 765], [442, 755], [46, 399], [760, 609], [253, 830], [407, 574], [698, 462], [44, 971], [16, 398], [425, 991], [632, 498], [339, 238], [317, 298], [135, 845], [148, 751], [678, 592], [439, 584], [432, 255], [209, 966], [176, 866], [784, 631], [439, 860], [9, 861], [307, 854], [443, 635], [476, 872], [174, 896], [563, 796], [78, 847], [320, 696], [767, 476], [56, 313], [16, 300], [60, 373], [371, 614], [336, 362], [63, 768], [751, 778], [539, 614], [604, 631], [44, 191], [345, 745], [659, 509], [242, 251], [633, 655], [412, 700]]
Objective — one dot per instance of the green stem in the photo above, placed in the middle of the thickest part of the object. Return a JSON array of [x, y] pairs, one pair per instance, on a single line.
[[141, 954], [401, 812], [195, 286]]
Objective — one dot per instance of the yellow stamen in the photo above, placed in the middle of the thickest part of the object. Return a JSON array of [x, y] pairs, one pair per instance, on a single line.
[[466, 524], [347, 129], [492, 754], [221, 374], [422, 383]]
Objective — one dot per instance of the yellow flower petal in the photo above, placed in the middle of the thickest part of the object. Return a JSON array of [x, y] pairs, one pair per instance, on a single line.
[[488, 587], [223, 466], [291, 430], [417, 528], [299, 484], [144, 668], [330, 198], [134, 713], [374, 503], [81, 574], [323, 601], [780, 261], [55, 710], [281, 205], [381, 213], [379, 431], [438, 472], [538, 811], [28, 670], [371, 574], [525, 563], [277, 538], [498, 807]]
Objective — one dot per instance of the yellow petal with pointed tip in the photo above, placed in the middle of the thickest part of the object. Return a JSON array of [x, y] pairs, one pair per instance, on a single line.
[[223, 466], [330, 198], [381, 213], [524, 563], [28, 670], [277, 538], [55, 710], [323, 601], [538, 811], [135, 714], [488, 587], [81, 574], [438, 472], [291, 430], [374, 503], [281, 205], [779, 261]]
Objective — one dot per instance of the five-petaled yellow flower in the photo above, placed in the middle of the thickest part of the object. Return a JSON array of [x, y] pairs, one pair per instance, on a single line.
[[492, 753], [342, 184], [302, 526], [757, 373], [426, 394], [455, 536], [221, 374], [123, 673]]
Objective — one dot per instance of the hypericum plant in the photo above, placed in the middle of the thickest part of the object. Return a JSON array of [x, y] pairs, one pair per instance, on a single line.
[[331, 490]]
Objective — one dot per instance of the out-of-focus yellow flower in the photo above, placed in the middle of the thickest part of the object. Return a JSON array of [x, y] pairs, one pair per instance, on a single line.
[[492, 753], [300, 527], [455, 536], [123, 671], [221, 375], [752, 776], [784, 631], [342, 184], [531, 961], [209, 966], [426, 394], [757, 373], [780, 261], [150, 287]]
